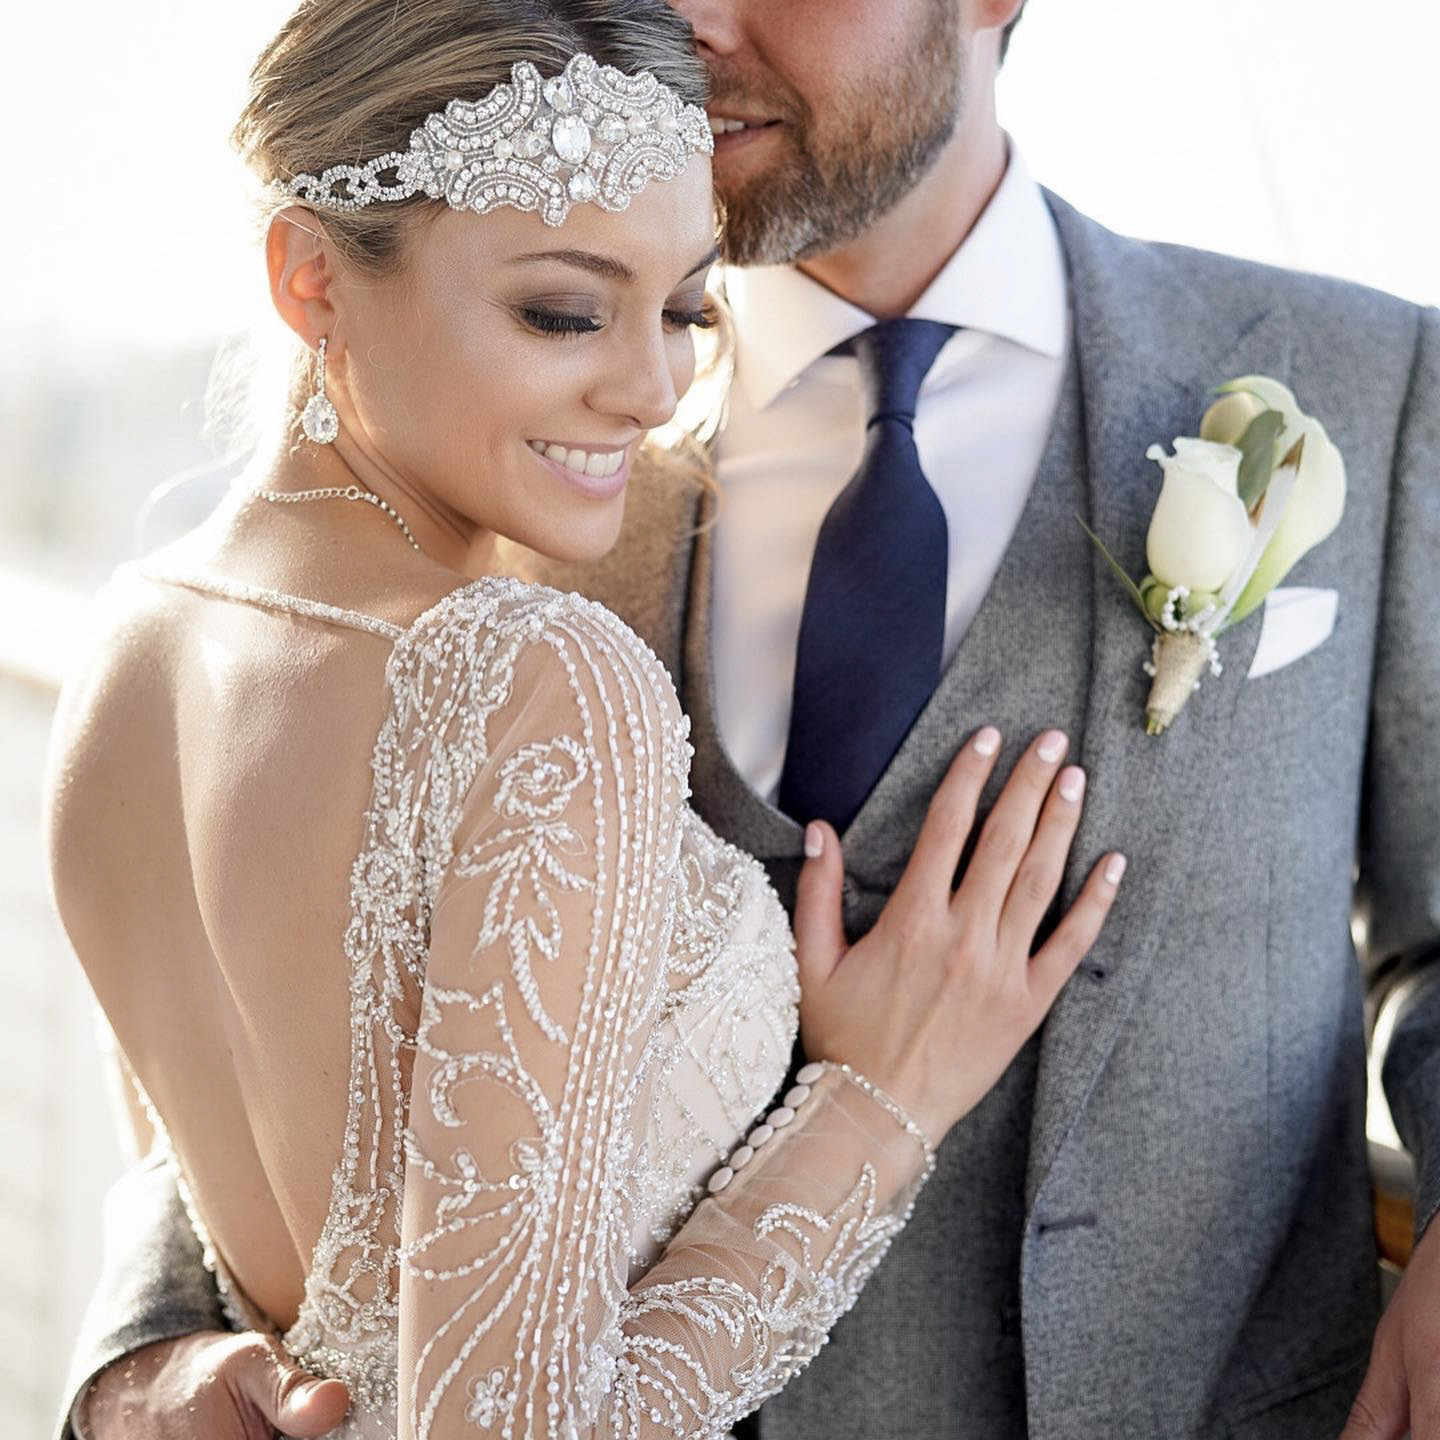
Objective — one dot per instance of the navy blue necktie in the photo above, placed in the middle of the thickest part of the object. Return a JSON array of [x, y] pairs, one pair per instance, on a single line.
[[873, 627]]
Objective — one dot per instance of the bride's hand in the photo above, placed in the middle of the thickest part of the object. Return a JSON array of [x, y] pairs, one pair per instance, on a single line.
[[935, 1001]]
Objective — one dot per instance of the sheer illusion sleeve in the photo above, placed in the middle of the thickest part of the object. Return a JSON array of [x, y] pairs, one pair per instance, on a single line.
[[545, 978]]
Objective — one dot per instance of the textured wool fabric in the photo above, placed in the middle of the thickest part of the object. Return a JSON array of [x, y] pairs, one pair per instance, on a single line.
[[1163, 1228]]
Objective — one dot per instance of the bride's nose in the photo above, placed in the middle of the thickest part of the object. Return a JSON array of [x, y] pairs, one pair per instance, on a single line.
[[641, 382]]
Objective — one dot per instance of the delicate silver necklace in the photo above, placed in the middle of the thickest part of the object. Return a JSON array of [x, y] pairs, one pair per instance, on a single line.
[[339, 492]]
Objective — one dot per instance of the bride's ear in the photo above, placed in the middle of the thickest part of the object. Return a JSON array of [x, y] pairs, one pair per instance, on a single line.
[[301, 270]]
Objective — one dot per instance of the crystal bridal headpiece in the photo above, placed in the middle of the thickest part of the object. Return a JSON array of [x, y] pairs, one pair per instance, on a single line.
[[591, 133]]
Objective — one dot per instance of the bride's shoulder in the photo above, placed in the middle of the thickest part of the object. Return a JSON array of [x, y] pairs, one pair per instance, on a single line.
[[499, 633], [120, 632]]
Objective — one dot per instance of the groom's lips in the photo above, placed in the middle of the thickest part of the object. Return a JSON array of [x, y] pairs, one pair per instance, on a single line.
[[735, 132]]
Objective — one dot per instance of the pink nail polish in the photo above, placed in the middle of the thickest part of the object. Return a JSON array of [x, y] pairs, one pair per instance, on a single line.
[[1115, 869], [1072, 785], [987, 742], [814, 841]]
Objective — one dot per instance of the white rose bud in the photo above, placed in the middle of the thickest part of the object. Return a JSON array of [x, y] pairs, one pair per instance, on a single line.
[[1227, 420], [1316, 504], [1200, 533]]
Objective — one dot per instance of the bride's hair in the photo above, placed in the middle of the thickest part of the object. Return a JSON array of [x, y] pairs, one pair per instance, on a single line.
[[345, 80]]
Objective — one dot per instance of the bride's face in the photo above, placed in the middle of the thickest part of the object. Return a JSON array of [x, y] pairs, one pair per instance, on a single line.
[[505, 377]]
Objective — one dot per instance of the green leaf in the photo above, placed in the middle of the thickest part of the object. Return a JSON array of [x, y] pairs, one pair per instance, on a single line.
[[1257, 448], [1132, 589]]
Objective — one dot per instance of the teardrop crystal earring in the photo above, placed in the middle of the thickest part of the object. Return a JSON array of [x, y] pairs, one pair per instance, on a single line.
[[318, 419]]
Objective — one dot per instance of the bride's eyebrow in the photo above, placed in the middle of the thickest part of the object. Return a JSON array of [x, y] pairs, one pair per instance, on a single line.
[[607, 267]]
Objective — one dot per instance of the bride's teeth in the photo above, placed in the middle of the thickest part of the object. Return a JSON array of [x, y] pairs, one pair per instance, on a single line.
[[597, 464]]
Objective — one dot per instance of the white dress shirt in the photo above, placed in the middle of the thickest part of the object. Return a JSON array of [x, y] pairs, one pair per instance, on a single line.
[[795, 433]]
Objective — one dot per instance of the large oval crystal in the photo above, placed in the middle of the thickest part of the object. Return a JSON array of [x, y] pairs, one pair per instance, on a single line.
[[319, 420], [570, 136]]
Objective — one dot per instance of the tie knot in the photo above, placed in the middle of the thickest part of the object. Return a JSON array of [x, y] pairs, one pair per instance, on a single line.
[[895, 357]]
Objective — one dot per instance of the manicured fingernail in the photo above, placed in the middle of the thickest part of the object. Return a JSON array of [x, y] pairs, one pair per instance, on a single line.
[[1052, 747], [1072, 784], [1115, 870], [987, 742], [814, 841]]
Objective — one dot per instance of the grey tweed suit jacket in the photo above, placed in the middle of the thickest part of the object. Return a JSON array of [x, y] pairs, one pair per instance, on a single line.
[[1176, 1168]]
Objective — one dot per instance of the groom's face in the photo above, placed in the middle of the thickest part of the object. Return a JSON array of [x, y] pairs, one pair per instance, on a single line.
[[846, 105]]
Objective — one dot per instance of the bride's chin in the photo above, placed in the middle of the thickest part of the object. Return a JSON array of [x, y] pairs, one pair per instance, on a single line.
[[576, 534]]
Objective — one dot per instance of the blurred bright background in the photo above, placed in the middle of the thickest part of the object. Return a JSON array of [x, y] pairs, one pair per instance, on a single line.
[[1303, 132]]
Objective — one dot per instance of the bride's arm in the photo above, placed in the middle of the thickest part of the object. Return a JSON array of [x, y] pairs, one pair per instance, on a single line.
[[545, 980]]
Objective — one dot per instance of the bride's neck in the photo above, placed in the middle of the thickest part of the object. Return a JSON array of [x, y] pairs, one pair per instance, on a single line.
[[442, 533]]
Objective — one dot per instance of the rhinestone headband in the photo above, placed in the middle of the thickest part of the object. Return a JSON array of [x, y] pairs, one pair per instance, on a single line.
[[591, 133]]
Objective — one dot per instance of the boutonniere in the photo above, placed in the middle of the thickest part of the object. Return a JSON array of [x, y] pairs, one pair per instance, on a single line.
[[1260, 486]]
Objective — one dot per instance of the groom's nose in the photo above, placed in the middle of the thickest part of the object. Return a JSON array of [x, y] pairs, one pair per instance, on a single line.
[[717, 24]]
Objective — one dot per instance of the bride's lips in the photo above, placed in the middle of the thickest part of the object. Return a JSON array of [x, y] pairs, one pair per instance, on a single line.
[[599, 471]]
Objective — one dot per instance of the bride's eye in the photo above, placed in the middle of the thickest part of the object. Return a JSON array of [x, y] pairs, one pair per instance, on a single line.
[[558, 322]]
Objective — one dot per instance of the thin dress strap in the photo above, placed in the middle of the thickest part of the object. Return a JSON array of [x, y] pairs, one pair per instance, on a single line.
[[277, 600]]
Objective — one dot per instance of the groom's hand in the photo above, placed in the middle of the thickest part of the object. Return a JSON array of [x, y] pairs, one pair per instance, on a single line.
[[212, 1384], [1401, 1393]]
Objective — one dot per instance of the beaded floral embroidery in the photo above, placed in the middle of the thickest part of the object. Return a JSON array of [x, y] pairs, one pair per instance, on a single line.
[[548, 944]]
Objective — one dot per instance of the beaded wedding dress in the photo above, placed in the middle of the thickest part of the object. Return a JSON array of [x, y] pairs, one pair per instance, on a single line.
[[570, 1002]]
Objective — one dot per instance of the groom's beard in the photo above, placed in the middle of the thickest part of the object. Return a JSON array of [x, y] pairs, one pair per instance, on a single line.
[[842, 170]]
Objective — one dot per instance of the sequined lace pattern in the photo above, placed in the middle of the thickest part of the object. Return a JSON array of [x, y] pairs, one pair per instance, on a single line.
[[570, 1000]]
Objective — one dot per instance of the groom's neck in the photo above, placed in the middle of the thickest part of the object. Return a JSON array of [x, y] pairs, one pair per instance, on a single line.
[[886, 270]]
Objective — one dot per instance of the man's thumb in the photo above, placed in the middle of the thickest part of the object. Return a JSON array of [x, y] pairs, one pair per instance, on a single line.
[[307, 1407], [1382, 1408], [819, 923]]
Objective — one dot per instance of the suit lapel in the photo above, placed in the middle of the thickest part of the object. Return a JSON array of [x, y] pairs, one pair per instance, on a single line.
[[1149, 796]]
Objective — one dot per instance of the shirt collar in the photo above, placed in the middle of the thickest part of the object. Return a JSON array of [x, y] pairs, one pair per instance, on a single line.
[[1007, 279]]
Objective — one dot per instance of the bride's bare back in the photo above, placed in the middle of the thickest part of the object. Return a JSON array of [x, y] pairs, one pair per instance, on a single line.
[[210, 773]]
